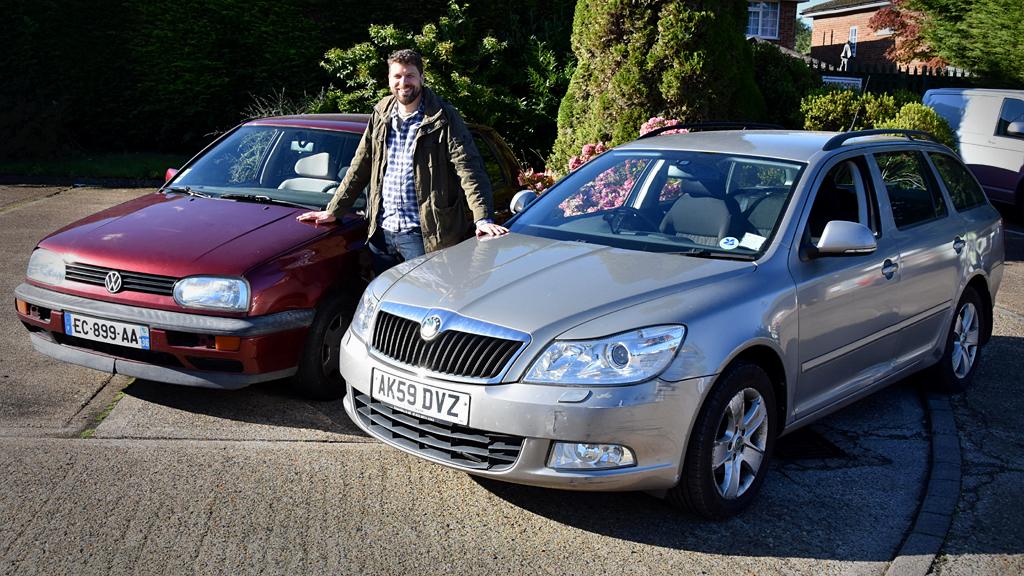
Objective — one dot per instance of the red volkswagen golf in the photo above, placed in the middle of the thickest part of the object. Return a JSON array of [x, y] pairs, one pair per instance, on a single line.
[[211, 281]]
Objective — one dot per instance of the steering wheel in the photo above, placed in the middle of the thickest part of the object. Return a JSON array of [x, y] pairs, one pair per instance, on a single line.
[[617, 217]]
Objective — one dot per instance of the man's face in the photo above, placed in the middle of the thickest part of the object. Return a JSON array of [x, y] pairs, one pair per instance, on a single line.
[[406, 82]]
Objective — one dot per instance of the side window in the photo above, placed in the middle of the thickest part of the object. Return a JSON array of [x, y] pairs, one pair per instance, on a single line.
[[1012, 111], [914, 196], [844, 194], [491, 165], [963, 188]]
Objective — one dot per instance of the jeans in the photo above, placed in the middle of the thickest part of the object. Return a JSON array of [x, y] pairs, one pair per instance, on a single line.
[[390, 248]]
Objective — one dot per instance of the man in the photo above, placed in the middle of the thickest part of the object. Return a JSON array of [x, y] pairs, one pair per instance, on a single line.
[[423, 170]]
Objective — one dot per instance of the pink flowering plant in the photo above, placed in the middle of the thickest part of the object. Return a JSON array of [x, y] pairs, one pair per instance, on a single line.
[[536, 181], [658, 122]]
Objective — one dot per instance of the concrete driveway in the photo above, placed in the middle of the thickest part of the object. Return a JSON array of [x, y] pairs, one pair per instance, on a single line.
[[111, 476]]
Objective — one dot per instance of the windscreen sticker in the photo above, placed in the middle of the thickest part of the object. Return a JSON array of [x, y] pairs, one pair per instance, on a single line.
[[728, 243], [752, 241]]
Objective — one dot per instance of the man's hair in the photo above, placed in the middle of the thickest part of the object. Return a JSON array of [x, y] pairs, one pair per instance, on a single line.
[[407, 57]]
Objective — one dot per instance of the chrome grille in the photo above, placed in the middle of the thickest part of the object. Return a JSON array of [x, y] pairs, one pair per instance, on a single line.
[[130, 281], [453, 352], [453, 443]]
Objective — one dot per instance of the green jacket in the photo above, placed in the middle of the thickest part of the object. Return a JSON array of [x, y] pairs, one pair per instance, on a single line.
[[451, 182]]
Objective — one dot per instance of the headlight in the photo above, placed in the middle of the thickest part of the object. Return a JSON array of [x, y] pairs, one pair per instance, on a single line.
[[363, 317], [620, 359], [213, 293], [46, 266]]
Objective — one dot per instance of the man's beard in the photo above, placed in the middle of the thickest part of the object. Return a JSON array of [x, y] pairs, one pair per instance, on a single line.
[[414, 93]]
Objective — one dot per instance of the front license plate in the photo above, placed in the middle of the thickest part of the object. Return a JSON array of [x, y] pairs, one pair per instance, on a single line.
[[109, 331], [419, 398]]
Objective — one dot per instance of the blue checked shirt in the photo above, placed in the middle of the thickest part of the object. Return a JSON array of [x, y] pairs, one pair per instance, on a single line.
[[401, 210]]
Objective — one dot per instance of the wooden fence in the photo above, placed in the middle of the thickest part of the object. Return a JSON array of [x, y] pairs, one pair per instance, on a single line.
[[890, 77]]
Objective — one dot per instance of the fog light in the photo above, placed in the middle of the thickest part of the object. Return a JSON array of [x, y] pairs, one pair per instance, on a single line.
[[228, 343], [579, 456], [22, 306]]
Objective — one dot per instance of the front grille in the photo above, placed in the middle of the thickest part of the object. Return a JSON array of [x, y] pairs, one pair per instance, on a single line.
[[459, 445], [130, 281], [454, 352]]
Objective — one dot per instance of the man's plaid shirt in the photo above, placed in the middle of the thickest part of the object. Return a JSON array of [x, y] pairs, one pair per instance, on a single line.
[[401, 210]]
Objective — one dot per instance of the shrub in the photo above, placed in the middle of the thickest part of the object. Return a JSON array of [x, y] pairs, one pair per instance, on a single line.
[[783, 81], [917, 116], [830, 109], [877, 108]]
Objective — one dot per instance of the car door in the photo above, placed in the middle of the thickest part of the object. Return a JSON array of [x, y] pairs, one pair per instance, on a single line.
[[930, 238], [848, 306]]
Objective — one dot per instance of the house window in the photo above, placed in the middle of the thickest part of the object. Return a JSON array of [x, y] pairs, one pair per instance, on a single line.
[[853, 40], [763, 19]]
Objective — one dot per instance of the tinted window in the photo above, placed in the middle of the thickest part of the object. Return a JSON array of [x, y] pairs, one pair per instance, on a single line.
[[913, 194], [842, 196], [963, 188], [1012, 111]]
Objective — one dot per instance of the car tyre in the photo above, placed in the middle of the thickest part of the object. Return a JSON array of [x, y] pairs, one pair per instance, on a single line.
[[960, 359], [729, 450], [319, 375]]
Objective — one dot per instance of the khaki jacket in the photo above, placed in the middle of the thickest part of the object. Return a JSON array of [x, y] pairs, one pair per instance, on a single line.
[[451, 183]]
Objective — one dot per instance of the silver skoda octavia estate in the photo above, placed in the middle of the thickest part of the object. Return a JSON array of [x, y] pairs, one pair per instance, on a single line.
[[660, 316]]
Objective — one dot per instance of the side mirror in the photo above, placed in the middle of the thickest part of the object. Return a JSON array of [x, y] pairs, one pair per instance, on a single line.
[[1015, 129], [521, 200], [171, 173], [846, 238]]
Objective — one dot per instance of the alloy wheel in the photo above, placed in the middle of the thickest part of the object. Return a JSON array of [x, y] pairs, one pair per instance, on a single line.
[[740, 443], [966, 334]]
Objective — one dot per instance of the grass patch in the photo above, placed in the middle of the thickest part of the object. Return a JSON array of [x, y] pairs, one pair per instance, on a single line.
[[90, 431], [132, 165]]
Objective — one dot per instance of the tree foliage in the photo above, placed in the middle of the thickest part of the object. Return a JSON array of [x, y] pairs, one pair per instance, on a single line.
[[839, 110], [638, 59], [509, 81], [783, 81]]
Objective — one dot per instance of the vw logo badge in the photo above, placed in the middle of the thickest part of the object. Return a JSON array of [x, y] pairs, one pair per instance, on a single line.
[[112, 282], [430, 327]]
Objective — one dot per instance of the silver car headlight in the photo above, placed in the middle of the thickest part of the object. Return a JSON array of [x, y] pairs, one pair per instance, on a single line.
[[46, 266], [213, 293], [362, 319], [624, 358]]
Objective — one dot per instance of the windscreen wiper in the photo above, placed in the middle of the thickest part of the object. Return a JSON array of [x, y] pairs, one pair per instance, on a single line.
[[261, 199], [185, 190], [706, 253]]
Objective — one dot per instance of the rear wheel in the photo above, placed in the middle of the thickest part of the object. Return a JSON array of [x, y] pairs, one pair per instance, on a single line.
[[960, 360], [729, 450], [319, 375]]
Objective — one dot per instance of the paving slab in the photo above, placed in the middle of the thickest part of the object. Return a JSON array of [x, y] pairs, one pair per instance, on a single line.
[[37, 392], [14, 195]]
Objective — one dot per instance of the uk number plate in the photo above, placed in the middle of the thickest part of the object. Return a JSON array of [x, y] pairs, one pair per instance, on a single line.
[[109, 331], [419, 398]]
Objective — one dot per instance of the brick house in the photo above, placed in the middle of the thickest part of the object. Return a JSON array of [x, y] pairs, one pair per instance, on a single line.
[[835, 22], [773, 20]]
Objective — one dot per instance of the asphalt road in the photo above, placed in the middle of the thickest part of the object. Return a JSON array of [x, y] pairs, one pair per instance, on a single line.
[[176, 480]]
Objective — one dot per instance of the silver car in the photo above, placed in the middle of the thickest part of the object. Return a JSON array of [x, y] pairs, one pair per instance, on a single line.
[[660, 316]]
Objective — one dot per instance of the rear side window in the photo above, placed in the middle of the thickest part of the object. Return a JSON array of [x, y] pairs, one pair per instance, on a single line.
[[1012, 111], [963, 188], [913, 194]]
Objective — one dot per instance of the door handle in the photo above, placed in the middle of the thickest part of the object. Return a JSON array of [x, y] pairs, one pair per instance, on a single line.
[[958, 244], [889, 268]]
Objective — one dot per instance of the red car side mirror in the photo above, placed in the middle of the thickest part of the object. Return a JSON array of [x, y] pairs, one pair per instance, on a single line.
[[170, 174]]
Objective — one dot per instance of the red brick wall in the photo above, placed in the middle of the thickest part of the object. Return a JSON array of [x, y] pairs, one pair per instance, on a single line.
[[787, 25], [829, 33]]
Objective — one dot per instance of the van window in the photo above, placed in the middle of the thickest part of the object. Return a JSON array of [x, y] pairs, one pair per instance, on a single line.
[[1012, 111], [963, 189], [913, 194]]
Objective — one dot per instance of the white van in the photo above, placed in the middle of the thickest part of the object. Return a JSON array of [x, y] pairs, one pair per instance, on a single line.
[[989, 126]]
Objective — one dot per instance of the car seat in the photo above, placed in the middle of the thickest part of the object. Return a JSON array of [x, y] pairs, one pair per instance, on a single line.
[[313, 174], [704, 216]]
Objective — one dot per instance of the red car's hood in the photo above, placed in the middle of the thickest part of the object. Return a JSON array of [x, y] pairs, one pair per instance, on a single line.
[[175, 235]]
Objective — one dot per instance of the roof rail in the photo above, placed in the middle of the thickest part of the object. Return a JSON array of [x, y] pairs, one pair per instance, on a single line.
[[840, 139], [708, 126]]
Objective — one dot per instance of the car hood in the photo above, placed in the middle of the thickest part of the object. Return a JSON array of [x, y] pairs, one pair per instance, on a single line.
[[537, 285], [176, 235]]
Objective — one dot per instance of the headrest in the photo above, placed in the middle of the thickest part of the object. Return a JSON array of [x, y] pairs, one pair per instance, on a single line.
[[315, 166]]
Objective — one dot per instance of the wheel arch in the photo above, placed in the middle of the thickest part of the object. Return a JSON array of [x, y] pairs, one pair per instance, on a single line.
[[768, 359]]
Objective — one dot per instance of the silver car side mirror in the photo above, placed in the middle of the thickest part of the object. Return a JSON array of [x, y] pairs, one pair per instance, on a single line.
[[842, 237], [521, 200], [1015, 128]]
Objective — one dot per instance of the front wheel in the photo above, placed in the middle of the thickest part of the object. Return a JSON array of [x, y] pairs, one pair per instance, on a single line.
[[729, 450], [319, 375], [960, 359]]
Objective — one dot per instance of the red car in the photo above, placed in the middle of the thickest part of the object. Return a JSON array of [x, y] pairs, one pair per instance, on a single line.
[[211, 281]]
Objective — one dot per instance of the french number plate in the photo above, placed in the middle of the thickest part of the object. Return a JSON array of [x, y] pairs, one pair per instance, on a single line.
[[110, 331], [419, 398]]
